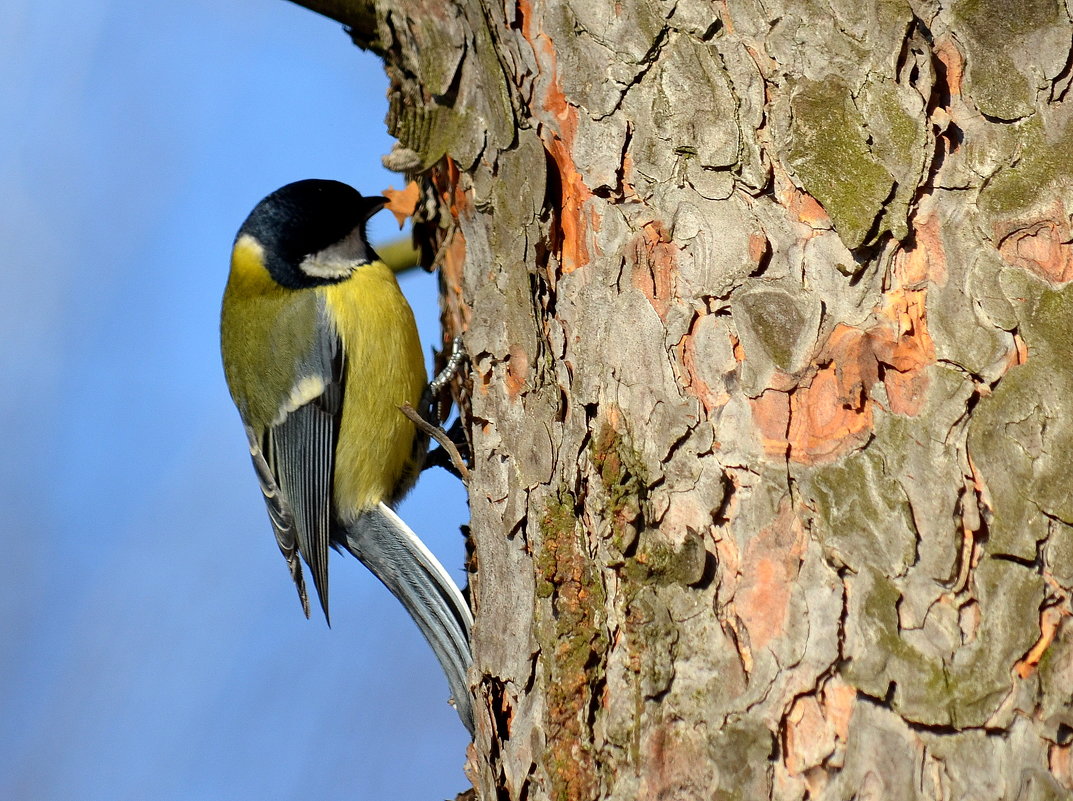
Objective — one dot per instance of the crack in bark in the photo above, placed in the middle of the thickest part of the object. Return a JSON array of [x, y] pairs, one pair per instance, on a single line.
[[1061, 83], [647, 62]]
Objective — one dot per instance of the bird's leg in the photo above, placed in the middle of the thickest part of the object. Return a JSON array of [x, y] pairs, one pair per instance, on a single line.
[[436, 385], [453, 451]]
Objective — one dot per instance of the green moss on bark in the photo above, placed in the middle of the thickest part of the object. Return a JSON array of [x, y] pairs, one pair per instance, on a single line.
[[830, 155], [573, 641]]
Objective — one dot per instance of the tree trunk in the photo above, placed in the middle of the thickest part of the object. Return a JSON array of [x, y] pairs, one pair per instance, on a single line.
[[771, 387]]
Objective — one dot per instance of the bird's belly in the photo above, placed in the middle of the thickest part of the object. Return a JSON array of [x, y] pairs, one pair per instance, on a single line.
[[384, 369]]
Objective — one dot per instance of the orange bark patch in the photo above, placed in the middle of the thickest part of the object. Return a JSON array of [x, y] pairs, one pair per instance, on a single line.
[[1020, 350], [758, 247], [402, 202], [697, 386], [809, 211], [802, 206], [456, 314], [1049, 621], [710, 397], [446, 181], [557, 132], [517, 371], [654, 261], [947, 52], [724, 15], [769, 567], [839, 700], [771, 413], [925, 260], [833, 413], [1043, 249], [739, 351], [451, 253], [484, 375], [573, 222], [907, 391], [809, 740], [629, 191], [830, 404], [903, 343], [1060, 761], [817, 726]]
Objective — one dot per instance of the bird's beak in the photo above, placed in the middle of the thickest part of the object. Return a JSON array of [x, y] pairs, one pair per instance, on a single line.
[[371, 205]]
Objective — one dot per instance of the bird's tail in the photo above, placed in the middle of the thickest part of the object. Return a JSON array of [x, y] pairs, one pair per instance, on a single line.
[[386, 545]]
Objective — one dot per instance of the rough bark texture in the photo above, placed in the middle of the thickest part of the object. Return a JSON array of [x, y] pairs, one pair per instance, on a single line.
[[771, 390]]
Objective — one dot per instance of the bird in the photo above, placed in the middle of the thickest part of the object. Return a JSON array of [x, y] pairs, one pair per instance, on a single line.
[[320, 349]]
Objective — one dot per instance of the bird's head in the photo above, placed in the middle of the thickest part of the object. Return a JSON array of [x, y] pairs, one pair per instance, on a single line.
[[311, 232]]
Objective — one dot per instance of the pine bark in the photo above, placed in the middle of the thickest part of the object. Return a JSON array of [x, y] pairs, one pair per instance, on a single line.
[[770, 391]]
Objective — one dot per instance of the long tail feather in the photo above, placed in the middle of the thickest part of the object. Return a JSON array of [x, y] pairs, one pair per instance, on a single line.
[[396, 556]]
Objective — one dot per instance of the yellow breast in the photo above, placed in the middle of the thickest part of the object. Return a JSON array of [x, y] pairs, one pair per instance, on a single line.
[[384, 369]]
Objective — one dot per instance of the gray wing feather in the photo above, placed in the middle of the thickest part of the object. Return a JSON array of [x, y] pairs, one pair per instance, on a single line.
[[396, 556], [280, 514], [300, 455]]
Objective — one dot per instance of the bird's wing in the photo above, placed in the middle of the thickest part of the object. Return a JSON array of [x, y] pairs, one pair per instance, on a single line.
[[299, 450], [279, 513], [396, 556]]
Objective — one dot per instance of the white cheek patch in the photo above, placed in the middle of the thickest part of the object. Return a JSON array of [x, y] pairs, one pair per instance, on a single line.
[[338, 260], [303, 392]]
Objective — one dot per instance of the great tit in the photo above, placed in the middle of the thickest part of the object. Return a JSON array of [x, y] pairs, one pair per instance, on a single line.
[[320, 349]]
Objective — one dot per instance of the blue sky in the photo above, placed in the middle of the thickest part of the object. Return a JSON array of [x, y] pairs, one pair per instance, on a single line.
[[152, 643]]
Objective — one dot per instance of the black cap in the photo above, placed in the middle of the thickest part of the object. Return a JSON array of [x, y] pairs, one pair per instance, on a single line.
[[304, 218]]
